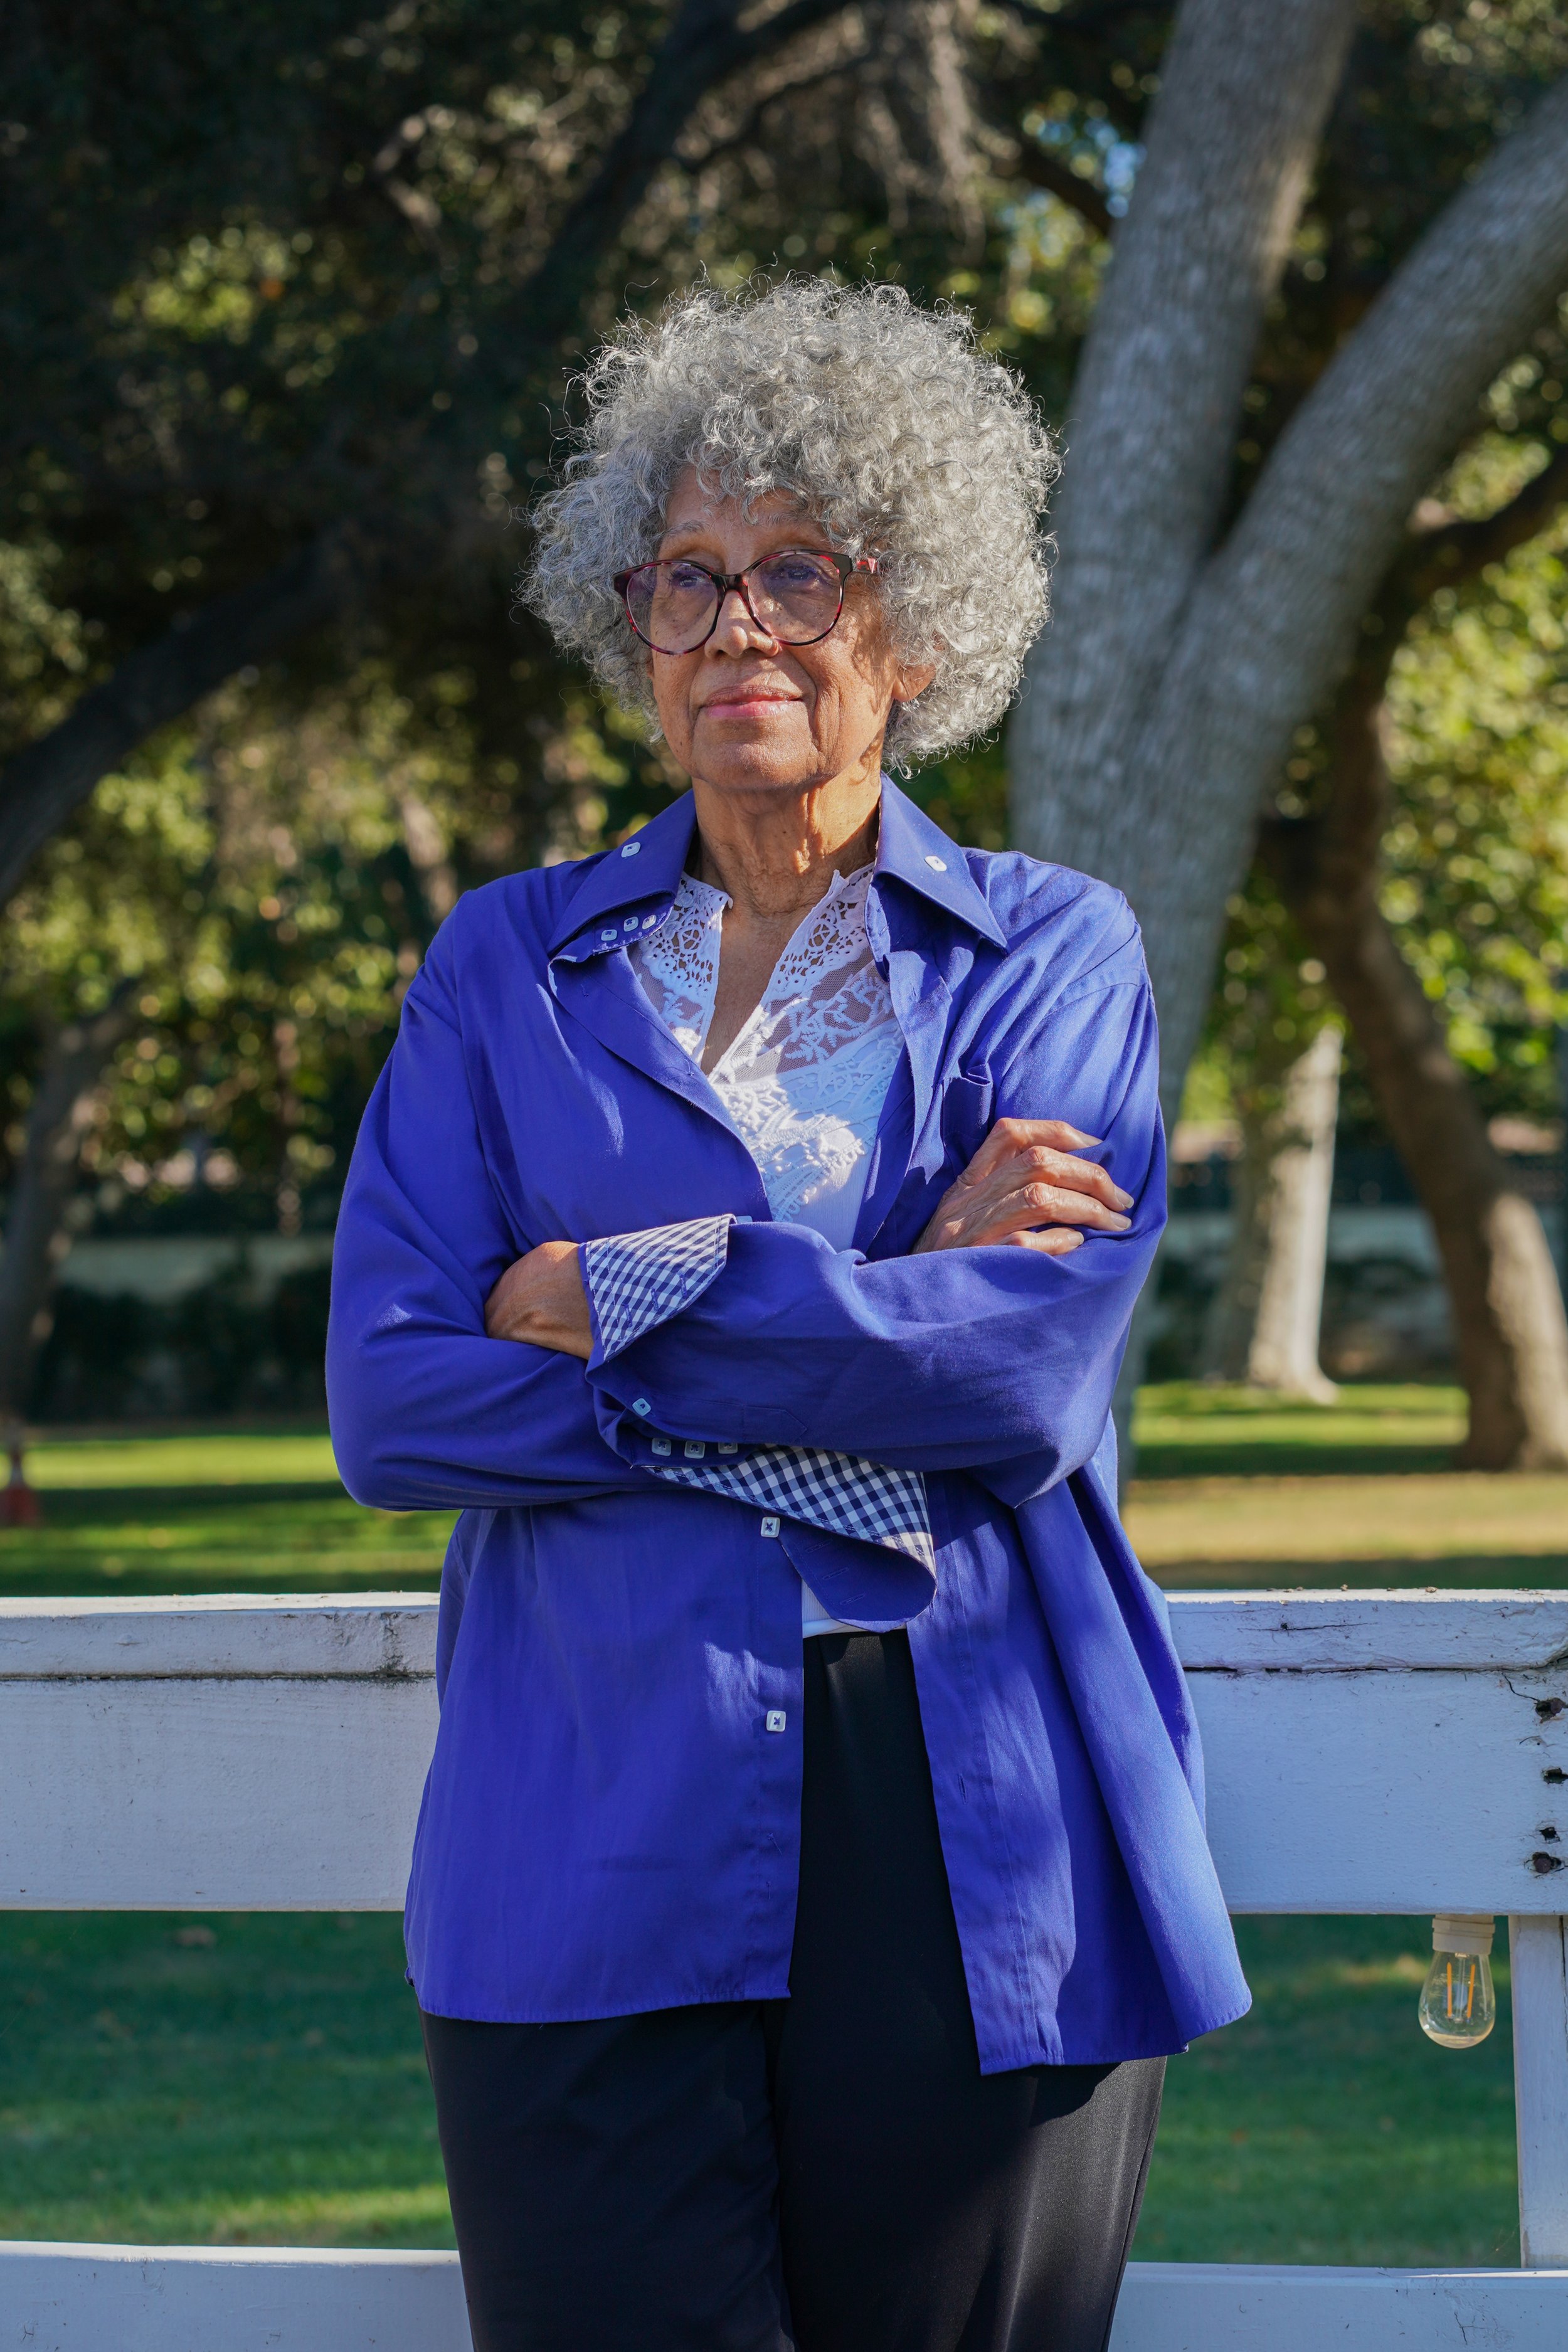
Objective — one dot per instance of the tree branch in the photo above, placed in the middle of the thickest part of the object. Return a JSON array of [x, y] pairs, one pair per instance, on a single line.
[[704, 46], [1446, 552], [1045, 171], [42, 785], [746, 130], [1268, 627], [1272, 624]]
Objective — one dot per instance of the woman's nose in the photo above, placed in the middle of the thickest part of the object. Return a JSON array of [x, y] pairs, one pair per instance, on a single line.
[[735, 629]]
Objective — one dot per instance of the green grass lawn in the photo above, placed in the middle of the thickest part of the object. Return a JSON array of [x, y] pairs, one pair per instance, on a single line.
[[239, 2078], [233, 1511], [1325, 2128], [234, 2080], [1186, 1429], [183, 2081]]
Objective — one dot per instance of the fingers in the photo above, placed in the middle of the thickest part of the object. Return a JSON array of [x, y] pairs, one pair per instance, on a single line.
[[1011, 1135], [982, 1223], [1062, 1169], [1057, 1241], [1028, 1206], [1026, 1177]]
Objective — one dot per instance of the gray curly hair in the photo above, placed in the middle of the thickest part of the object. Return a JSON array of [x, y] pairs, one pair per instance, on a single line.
[[886, 421]]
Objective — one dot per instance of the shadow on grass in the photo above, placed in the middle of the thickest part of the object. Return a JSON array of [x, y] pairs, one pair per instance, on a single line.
[[1447, 1572]]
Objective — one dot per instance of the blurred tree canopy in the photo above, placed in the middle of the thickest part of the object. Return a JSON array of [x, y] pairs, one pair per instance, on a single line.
[[293, 294], [1476, 859]]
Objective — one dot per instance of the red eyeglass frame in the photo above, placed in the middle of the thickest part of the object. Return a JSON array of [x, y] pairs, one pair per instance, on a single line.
[[727, 584]]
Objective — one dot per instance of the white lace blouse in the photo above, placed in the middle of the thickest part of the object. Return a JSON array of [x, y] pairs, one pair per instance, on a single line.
[[806, 1079]]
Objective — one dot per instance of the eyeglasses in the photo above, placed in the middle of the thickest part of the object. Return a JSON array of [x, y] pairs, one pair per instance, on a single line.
[[796, 596]]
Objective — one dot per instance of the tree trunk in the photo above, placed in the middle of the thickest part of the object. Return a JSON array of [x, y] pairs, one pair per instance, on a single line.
[[37, 1235], [1283, 1349], [1162, 699], [1264, 1322], [1510, 1333], [1232, 1316], [429, 858], [1165, 695]]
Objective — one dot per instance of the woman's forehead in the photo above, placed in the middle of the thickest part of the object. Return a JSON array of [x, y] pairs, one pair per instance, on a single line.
[[696, 512]]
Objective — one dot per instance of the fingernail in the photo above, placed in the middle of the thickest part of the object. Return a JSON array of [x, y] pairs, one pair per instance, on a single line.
[[1122, 1199], [1119, 1224]]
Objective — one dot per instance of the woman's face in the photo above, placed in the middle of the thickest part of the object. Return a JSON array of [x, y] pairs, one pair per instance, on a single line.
[[744, 712]]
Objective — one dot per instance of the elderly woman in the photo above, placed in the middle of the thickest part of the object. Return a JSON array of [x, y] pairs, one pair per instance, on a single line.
[[811, 1876]]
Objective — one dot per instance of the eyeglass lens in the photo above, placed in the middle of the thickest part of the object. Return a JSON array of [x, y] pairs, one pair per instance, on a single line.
[[794, 595]]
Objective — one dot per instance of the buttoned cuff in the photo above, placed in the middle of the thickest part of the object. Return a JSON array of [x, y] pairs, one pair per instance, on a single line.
[[636, 1281]]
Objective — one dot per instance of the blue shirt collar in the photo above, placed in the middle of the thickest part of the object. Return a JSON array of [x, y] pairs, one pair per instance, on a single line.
[[622, 888], [918, 855]]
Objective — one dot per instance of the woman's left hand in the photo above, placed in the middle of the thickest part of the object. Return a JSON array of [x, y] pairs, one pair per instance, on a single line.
[[541, 1299]]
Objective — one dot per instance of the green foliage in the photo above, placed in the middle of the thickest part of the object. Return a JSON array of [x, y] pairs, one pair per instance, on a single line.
[[263, 272], [1477, 857], [1270, 1001]]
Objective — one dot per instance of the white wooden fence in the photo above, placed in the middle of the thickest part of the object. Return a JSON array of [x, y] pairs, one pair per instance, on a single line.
[[1367, 1752]]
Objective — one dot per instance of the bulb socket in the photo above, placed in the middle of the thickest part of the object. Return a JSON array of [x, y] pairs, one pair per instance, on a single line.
[[1468, 1933]]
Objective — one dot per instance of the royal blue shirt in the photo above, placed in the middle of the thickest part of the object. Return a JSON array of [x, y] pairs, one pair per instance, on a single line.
[[611, 1821]]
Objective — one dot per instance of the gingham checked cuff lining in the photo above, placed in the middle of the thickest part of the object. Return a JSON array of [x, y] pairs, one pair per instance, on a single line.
[[637, 1281], [840, 1492]]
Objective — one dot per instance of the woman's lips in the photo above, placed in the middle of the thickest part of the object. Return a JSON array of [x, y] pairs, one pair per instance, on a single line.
[[743, 705]]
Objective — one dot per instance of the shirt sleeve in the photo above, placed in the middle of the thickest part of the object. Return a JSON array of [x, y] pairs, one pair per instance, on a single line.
[[427, 1413], [967, 1359], [634, 1281]]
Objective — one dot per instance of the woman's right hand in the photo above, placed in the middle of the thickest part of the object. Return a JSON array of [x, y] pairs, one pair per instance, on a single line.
[[1026, 1187]]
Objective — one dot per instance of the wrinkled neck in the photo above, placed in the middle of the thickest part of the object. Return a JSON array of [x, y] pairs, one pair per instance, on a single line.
[[775, 857]]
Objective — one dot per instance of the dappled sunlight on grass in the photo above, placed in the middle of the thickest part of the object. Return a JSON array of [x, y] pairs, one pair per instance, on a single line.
[[238, 1457], [1190, 1428]]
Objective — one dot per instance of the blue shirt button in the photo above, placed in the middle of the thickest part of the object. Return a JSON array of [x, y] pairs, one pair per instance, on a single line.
[[770, 1526], [641, 1405], [776, 1719], [630, 848]]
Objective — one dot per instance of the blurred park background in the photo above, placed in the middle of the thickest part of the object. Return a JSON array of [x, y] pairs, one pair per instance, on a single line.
[[291, 300]]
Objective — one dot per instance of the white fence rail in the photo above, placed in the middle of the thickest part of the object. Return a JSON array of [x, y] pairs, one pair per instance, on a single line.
[[1366, 1752]]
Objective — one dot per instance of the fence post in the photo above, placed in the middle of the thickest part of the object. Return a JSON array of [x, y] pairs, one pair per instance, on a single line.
[[1538, 1952]]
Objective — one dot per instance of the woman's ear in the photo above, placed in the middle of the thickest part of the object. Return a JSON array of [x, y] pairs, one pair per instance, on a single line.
[[911, 682]]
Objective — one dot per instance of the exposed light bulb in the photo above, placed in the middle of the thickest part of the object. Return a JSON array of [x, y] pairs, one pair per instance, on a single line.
[[1458, 2005]]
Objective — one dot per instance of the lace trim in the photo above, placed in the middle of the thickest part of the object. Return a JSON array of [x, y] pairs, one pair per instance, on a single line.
[[805, 1079]]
